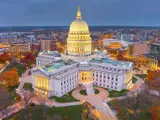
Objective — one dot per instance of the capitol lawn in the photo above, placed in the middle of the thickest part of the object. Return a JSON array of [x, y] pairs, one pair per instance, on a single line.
[[114, 93], [66, 98], [83, 92], [46, 113]]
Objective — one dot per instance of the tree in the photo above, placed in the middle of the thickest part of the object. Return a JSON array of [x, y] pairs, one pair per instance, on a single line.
[[35, 52], [138, 102], [123, 114], [155, 111], [43, 100], [11, 77], [28, 59], [85, 114], [88, 112], [153, 75], [4, 57], [26, 97]]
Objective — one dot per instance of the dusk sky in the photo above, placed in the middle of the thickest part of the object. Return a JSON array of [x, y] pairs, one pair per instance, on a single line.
[[94, 12]]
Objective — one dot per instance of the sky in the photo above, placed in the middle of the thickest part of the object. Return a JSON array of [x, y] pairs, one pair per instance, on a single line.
[[94, 12]]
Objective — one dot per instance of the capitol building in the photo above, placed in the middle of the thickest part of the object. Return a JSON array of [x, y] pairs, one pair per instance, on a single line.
[[57, 74]]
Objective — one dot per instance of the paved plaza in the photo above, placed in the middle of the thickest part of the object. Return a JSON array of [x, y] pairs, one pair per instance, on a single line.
[[97, 101]]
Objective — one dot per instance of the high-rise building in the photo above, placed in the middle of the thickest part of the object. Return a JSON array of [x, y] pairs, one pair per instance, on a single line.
[[48, 44]]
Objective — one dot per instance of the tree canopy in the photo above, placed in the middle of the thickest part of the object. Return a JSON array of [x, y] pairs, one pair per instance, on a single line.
[[11, 77]]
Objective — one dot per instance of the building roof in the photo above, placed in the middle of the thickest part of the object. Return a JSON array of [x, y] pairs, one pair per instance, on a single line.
[[46, 38], [112, 62], [55, 66], [49, 53], [156, 43]]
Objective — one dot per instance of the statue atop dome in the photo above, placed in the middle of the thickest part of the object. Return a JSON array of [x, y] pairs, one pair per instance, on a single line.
[[79, 13]]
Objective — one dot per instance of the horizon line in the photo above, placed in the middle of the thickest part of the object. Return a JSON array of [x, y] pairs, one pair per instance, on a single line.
[[89, 26]]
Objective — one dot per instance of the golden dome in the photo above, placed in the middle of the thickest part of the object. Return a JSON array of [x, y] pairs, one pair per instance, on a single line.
[[79, 41], [79, 25]]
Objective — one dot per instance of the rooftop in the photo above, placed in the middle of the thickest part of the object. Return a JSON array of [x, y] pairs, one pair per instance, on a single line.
[[113, 62], [156, 43], [56, 66], [47, 38], [50, 53]]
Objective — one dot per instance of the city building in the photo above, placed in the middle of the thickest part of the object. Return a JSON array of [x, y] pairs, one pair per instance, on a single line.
[[80, 66], [44, 58], [138, 49], [112, 43], [20, 48], [61, 77], [48, 44], [155, 51], [6, 39]]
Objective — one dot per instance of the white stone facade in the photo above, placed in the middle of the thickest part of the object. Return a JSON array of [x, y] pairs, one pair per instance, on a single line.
[[46, 58], [66, 76]]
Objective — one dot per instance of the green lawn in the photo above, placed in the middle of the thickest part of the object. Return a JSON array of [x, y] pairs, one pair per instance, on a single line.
[[66, 98], [144, 116], [142, 76], [83, 92], [134, 80], [28, 86], [97, 91], [64, 113], [114, 93]]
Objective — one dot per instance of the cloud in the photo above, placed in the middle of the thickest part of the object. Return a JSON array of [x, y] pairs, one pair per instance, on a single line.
[[62, 12]]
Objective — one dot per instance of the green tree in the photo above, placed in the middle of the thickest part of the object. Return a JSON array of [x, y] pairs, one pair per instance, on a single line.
[[123, 114]]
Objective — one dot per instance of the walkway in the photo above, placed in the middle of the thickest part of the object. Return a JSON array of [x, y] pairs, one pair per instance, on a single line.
[[26, 78], [137, 85], [98, 102]]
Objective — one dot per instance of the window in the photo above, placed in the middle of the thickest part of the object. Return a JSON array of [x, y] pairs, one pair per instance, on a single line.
[[115, 87], [116, 79], [111, 86]]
